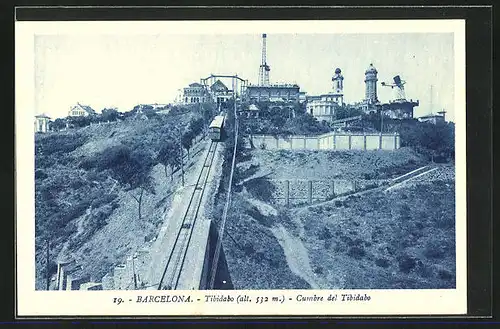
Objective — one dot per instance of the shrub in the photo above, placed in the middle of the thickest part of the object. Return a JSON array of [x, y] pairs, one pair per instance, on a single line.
[[423, 270], [445, 275], [325, 234], [382, 262], [356, 252], [40, 174], [59, 143], [100, 199], [406, 264], [434, 250]]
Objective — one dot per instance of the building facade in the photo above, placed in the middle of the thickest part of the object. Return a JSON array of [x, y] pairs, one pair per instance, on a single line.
[[276, 93], [42, 123], [80, 110], [433, 118], [323, 107], [195, 93], [371, 85], [220, 92]]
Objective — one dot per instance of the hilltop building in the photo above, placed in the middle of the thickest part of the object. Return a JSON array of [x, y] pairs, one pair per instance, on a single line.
[[273, 93], [371, 85], [399, 107], [195, 93], [220, 92], [42, 123], [80, 110], [433, 118], [324, 106]]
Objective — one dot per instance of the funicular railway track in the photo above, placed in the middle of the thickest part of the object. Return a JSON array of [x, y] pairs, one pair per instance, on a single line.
[[177, 255]]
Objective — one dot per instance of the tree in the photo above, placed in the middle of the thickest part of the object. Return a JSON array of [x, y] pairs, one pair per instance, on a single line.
[[130, 168], [109, 114], [58, 124], [166, 156], [196, 126], [187, 140]]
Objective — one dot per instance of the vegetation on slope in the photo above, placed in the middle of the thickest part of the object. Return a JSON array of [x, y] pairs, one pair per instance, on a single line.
[[83, 176], [400, 240]]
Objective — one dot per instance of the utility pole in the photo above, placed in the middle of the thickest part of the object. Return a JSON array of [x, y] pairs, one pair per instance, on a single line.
[[47, 265], [381, 120], [431, 101], [135, 276], [181, 155]]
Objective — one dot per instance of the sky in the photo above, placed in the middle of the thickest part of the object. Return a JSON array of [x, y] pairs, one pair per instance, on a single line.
[[125, 70]]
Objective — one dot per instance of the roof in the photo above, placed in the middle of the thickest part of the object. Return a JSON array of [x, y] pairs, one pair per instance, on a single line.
[[195, 84], [348, 119], [217, 122], [371, 69], [43, 115], [279, 86], [86, 108], [218, 86], [428, 116]]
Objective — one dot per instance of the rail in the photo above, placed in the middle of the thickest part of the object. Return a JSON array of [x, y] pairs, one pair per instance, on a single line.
[[218, 246], [177, 255]]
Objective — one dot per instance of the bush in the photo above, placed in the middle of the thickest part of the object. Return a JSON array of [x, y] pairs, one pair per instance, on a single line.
[[40, 174], [434, 250], [406, 264], [325, 234], [356, 252], [58, 143], [445, 275], [382, 262], [103, 199]]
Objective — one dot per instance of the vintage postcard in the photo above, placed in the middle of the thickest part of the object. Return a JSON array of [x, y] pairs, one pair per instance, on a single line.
[[230, 168]]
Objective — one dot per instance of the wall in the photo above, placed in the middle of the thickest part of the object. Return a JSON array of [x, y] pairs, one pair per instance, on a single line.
[[301, 191], [329, 141]]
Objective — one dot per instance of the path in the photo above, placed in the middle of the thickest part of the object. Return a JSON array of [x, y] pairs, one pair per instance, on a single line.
[[296, 255]]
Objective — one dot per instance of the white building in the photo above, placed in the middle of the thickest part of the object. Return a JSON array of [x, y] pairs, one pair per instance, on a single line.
[[324, 106], [80, 110], [42, 123]]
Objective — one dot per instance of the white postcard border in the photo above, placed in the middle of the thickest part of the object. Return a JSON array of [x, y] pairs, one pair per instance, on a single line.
[[100, 303]]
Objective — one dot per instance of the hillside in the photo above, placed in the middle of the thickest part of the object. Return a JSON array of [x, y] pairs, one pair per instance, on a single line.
[[85, 209], [403, 238]]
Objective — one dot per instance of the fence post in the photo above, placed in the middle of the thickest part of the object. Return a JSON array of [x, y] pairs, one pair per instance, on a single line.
[[354, 186], [287, 193], [310, 188], [277, 142], [350, 141], [364, 141], [380, 141], [334, 141], [332, 188], [318, 144], [305, 142], [395, 141]]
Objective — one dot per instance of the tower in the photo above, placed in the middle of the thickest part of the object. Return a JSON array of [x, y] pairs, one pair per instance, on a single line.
[[371, 84], [338, 81], [338, 86], [398, 87], [264, 68]]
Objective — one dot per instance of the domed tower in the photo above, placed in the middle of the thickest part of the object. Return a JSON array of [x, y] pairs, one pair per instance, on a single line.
[[338, 82], [371, 84], [338, 87]]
